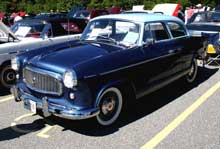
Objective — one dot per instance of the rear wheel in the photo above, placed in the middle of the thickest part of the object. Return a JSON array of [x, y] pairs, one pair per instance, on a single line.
[[110, 106], [7, 76], [191, 76]]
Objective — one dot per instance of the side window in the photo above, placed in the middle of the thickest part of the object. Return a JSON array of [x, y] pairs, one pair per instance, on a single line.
[[158, 31], [176, 29], [58, 30], [147, 33], [126, 32], [71, 27]]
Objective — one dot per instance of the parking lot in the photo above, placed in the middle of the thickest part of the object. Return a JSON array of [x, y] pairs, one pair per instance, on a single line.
[[177, 116]]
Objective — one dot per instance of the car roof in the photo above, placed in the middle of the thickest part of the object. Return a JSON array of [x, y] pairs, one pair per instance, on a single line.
[[140, 17], [132, 11], [48, 20]]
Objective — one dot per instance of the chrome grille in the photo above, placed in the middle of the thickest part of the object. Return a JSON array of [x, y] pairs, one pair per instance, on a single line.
[[42, 82]]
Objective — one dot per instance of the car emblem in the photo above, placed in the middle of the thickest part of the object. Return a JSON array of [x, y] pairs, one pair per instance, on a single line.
[[33, 81]]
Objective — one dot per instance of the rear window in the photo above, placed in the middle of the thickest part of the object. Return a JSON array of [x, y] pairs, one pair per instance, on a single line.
[[176, 29]]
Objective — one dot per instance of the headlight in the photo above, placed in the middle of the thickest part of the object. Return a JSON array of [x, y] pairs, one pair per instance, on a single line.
[[70, 79], [15, 63]]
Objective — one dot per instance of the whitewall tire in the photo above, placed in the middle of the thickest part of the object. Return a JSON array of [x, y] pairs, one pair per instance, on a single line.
[[191, 76], [110, 104]]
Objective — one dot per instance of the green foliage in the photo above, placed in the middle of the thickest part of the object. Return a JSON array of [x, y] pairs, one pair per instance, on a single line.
[[37, 6]]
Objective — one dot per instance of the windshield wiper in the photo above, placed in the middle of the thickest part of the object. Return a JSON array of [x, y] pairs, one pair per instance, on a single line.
[[101, 37], [108, 39]]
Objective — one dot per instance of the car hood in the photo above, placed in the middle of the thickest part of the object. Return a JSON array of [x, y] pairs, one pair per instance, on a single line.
[[64, 59], [208, 26]]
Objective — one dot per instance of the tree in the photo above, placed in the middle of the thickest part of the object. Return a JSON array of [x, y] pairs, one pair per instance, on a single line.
[[36, 6]]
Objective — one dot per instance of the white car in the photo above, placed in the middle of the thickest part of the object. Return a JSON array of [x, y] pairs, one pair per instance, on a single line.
[[32, 34], [167, 9]]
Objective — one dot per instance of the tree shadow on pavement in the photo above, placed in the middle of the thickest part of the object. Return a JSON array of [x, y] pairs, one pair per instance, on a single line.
[[139, 109]]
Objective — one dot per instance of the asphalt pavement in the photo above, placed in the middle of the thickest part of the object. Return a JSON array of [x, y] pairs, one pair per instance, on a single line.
[[178, 116]]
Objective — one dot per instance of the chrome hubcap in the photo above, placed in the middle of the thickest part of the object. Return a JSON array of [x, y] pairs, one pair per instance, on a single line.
[[191, 70], [108, 106], [10, 76], [7, 77]]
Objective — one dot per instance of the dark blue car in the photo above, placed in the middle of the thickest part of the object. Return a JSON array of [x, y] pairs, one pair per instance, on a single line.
[[118, 57]]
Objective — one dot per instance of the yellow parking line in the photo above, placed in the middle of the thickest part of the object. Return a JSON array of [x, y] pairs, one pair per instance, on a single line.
[[43, 134], [23, 116], [178, 120], [6, 99], [14, 125]]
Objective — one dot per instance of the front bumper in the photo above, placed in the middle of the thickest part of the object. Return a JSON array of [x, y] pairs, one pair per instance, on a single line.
[[52, 108]]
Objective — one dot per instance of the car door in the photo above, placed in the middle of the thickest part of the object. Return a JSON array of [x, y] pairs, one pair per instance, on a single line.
[[181, 42], [162, 54]]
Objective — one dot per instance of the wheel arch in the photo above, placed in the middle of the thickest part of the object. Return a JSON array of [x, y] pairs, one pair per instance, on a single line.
[[5, 63], [126, 88]]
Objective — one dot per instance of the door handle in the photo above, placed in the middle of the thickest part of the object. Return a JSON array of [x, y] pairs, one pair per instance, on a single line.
[[171, 51], [174, 51], [179, 49]]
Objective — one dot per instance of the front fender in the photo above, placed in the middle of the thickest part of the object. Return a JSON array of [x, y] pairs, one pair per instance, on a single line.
[[4, 58], [104, 87], [128, 86]]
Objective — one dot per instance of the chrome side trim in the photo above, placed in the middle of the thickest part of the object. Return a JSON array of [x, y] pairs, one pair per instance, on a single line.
[[80, 116], [153, 88], [136, 64]]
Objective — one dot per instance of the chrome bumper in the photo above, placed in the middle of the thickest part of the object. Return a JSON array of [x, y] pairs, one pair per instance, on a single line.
[[53, 108]]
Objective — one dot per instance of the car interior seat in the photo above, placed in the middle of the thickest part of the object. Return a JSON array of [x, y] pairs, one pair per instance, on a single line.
[[132, 35]]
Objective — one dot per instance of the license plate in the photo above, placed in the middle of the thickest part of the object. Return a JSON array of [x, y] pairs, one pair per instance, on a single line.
[[31, 105]]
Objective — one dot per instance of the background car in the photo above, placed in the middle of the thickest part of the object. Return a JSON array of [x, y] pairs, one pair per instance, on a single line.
[[27, 35], [206, 23], [167, 8], [51, 15], [117, 57], [50, 27]]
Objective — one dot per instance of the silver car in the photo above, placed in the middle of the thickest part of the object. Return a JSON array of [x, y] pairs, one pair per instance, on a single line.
[[32, 34]]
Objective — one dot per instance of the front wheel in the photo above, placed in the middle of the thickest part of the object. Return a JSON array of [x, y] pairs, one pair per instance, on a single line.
[[7, 76], [191, 76], [110, 106]]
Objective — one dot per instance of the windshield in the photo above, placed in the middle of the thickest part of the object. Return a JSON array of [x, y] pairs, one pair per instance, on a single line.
[[113, 31], [205, 17], [28, 30]]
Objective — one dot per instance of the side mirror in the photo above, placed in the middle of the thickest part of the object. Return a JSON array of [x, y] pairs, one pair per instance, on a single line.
[[149, 41]]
